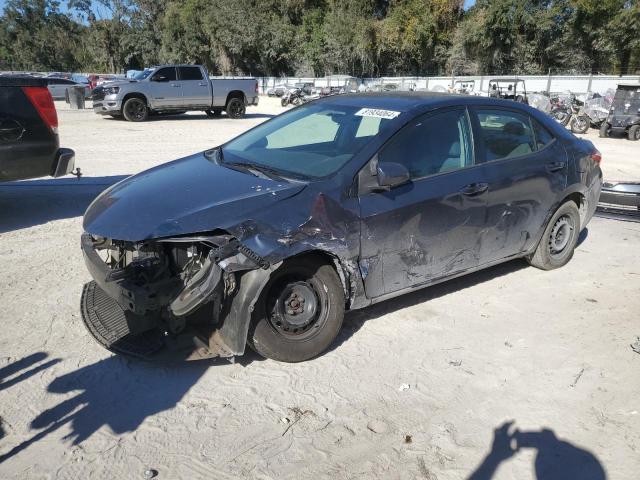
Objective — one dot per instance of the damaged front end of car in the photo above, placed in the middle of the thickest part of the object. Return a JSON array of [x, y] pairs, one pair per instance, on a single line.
[[193, 293]]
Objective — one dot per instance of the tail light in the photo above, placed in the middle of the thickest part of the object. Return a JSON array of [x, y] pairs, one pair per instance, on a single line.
[[41, 99], [596, 156]]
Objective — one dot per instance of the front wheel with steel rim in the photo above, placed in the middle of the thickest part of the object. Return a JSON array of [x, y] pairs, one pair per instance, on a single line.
[[135, 110], [579, 124], [299, 312], [236, 108], [559, 239]]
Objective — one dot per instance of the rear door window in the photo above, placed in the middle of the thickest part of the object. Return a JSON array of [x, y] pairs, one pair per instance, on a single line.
[[543, 136], [505, 134], [190, 73]]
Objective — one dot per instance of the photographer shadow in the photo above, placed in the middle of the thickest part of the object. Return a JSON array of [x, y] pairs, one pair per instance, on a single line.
[[555, 459]]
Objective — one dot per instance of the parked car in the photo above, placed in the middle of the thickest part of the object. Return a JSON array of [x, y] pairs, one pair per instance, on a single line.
[[337, 204], [175, 89], [58, 88], [624, 116], [65, 75], [508, 89], [620, 200], [29, 145]]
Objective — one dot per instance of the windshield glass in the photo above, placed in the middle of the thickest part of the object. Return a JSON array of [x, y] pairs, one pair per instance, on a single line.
[[143, 74], [311, 141], [627, 100]]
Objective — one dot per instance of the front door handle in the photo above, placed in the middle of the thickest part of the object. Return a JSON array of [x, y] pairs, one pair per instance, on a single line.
[[202, 84], [474, 189], [175, 85], [555, 166]]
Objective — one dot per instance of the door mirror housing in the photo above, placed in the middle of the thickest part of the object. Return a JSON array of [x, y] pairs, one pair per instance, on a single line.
[[391, 174]]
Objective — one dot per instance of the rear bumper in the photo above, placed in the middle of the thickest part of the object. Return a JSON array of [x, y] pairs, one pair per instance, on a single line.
[[33, 162], [620, 200]]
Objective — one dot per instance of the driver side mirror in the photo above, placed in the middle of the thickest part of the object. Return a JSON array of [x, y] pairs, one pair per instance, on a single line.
[[391, 175]]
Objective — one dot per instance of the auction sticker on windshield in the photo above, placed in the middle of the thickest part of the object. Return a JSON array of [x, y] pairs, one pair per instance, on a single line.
[[375, 112]]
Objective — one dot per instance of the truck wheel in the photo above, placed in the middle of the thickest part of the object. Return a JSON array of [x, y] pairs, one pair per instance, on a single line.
[[212, 113], [634, 133], [235, 107], [559, 239], [299, 312], [135, 110], [605, 130]]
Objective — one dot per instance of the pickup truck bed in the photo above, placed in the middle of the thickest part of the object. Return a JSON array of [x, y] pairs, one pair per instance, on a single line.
[[29, 145]]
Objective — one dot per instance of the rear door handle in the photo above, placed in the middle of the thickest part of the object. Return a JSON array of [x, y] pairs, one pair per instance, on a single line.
[[474, 188], [555, 166]]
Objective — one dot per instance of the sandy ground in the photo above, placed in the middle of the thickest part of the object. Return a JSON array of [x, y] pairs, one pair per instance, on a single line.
[[413, 388]]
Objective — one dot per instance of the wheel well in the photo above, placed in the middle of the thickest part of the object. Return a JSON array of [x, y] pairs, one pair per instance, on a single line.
[[580, 201], [327, 258], [135, 95], [235, 94]]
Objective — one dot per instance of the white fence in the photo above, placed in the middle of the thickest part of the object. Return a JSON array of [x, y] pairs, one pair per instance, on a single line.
[[534, 83]]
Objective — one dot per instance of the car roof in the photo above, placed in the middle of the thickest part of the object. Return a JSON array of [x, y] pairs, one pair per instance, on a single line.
[[406, 101]]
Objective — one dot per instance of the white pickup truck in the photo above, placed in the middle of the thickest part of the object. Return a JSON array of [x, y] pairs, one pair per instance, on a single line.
[[174, 89]]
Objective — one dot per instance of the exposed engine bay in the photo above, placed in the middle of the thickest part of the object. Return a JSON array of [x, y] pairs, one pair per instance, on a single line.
[[147, 294]]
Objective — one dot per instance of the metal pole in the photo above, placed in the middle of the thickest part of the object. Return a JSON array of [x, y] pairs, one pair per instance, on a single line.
[[589, 84], [549, 83]]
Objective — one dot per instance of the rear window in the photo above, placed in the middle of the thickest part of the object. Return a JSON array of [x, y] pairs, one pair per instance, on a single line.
[[505, 134], [190, 73]]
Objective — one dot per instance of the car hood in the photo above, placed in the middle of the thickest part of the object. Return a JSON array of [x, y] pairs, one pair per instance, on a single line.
[[190, 195]]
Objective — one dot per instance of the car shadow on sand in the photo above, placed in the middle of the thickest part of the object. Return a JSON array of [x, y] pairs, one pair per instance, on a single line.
[[34, 202], [354, 320], [118, 392], [555, 459]]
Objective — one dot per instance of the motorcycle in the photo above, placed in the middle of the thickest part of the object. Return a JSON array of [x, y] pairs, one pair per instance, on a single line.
[[293, 96], [594, 111], [561, 107]]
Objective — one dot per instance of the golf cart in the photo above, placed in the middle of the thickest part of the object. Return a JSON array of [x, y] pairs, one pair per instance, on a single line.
[[509, 89], [624, 115]]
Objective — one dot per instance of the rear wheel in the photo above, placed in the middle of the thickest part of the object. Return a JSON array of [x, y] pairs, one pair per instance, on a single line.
[[605, 130], [634, 133], [559, 239], [135, 110], [235, 107], [299, 312]]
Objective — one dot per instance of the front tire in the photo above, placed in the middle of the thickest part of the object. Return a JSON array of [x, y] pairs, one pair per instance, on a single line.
[[579, 124], [605, 130], [634, 133], [299, 313], [135, 110], [559, 239], [236, 108]]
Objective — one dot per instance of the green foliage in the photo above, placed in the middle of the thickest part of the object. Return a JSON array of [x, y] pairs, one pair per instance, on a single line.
[[321, 37]]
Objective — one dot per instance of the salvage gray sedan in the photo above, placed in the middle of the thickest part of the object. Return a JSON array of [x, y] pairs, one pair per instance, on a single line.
[[346, 201]]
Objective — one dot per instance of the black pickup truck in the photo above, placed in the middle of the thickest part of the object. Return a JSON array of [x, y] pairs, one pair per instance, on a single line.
[[29, 145]]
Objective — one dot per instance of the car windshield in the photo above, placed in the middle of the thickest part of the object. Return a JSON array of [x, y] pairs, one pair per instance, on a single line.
[[312, 141], [627, 100], [143, 74]]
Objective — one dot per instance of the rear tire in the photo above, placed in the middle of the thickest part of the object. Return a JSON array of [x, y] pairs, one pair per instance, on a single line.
[[559, 239], [634, 133], [299, 312], [135, 110], [605, 130], [236, 108]]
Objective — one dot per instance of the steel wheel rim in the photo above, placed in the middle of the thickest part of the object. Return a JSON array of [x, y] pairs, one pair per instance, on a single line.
[[296, 310], [135, 109], [560, 236]]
